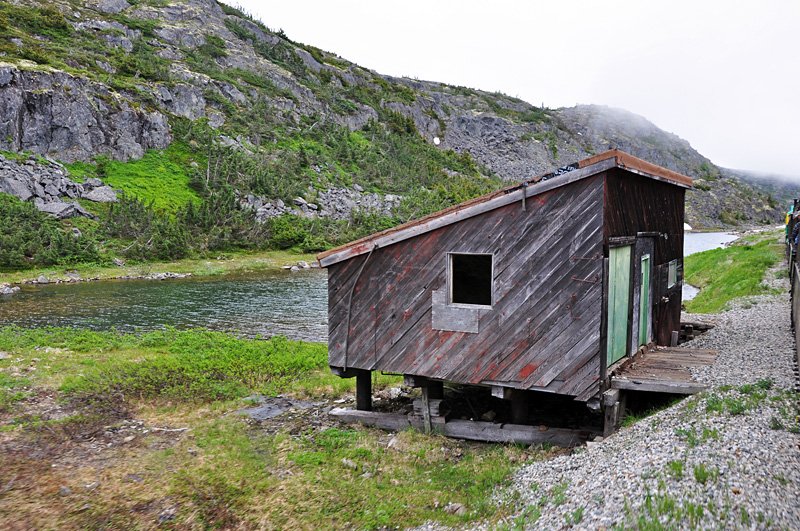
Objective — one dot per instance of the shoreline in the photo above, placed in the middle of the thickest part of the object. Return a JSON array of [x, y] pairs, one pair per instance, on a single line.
[[221, 265]]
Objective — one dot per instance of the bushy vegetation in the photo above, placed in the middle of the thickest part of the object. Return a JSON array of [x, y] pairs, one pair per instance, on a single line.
[[32, 238], [196, 366]]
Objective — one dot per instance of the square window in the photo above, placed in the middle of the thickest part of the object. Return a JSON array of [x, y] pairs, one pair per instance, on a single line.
[[471, 279], [672, 276]]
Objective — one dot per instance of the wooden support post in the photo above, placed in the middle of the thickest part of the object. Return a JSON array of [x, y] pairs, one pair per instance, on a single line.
[[613, 408], [364, 390], [519, 406], [610, 419], [426, 410]]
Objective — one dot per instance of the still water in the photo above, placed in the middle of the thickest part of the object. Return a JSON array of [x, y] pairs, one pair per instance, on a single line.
[[275, 303], [696, 242], [265, 303]]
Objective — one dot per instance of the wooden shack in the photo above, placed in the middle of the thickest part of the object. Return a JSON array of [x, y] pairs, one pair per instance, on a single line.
[[544, 286]]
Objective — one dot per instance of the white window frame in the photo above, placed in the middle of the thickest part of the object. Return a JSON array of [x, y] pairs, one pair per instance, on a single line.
[[672, 273]]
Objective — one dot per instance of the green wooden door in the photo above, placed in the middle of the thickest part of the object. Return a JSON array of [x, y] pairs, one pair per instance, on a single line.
[[644, 300], [619, 288]]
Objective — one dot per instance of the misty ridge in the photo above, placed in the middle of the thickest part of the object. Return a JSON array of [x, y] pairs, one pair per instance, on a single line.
[[285, 123]]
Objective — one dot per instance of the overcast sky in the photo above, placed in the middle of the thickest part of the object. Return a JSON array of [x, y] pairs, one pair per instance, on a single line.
[[724, 75]]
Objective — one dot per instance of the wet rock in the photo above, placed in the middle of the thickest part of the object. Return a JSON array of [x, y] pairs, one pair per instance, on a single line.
[[269, 407]]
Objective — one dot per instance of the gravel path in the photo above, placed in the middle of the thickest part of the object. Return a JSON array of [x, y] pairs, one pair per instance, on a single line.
[[724, 459]]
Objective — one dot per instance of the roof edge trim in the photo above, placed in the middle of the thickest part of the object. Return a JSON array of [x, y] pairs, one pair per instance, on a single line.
[[585, 168], [459, 213]]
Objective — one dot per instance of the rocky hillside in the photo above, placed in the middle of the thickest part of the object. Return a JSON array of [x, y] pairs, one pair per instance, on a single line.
[[285, 123]]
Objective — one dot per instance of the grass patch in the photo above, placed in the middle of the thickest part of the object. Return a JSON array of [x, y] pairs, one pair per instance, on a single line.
[[675, 469], [221, 473], [732, 272], [196, 365], [160, 178]]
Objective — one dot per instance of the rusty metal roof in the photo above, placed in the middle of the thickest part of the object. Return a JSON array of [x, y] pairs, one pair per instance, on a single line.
[[566, 174]]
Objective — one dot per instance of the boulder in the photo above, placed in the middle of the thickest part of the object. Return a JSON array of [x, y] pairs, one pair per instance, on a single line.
[[15, 187], [102, 194], [64, 210], [92, 182]]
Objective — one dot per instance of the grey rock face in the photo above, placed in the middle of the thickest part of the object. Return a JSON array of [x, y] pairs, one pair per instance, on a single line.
[[109, 6], [40, 112]]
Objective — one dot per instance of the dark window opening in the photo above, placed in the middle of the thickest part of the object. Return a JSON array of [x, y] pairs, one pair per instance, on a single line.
[[471, 279]]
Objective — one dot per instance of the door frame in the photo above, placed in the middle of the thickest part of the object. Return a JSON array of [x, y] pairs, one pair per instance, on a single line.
[[645, 299], [609, 357]]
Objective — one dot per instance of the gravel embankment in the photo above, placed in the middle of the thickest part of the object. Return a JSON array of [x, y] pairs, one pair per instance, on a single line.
[[724, 459]]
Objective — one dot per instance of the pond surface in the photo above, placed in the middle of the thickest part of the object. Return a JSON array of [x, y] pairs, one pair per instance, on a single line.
[[697, 242], [267, 303]]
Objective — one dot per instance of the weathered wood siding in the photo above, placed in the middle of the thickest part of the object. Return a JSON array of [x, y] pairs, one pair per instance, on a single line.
[[634, 205], [543, 328]]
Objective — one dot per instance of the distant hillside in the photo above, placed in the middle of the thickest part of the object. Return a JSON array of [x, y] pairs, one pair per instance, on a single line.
[[237, 110]]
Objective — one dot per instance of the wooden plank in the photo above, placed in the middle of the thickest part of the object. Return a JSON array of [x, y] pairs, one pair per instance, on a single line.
[[496, 308], [688, 388], [467, 429], [526, 308], [410, 271]]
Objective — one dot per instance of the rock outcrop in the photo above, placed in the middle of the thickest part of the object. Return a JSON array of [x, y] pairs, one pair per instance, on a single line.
[[334, 203], [68, 117], [48, 186]]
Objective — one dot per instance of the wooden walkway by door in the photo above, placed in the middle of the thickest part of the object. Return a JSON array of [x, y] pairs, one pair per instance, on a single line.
[[663, 370]]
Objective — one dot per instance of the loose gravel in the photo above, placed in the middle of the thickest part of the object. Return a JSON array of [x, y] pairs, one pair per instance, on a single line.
[[724, 459]]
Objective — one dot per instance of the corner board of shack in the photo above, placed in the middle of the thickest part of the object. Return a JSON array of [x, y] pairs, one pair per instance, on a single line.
[[566, 285]]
